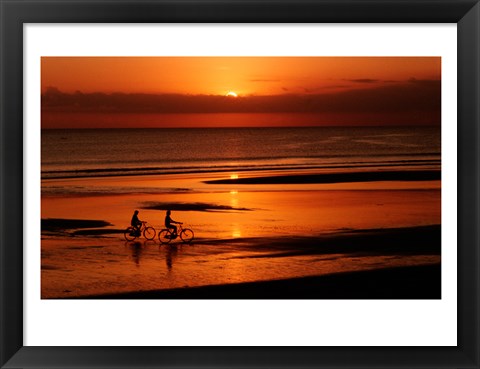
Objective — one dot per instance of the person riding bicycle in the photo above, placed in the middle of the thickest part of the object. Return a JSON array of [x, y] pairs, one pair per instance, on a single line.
[[169, 223], [135, 222]]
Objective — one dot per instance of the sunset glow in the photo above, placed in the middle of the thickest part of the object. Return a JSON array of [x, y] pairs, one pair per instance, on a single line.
[[121, 92], [241, 177]]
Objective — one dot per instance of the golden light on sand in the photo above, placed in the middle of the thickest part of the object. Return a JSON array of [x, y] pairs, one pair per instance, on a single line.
[[231, 94], [234, 176]]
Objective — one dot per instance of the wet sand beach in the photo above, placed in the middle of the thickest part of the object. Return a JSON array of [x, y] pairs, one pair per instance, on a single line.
[[263, 240], [414, 282]]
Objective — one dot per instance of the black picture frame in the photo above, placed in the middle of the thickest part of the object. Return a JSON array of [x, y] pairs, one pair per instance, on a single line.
[[15, 13]]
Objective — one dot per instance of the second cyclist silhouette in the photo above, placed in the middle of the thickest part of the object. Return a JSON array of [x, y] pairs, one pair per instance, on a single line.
[[169, 223], [171, 231]]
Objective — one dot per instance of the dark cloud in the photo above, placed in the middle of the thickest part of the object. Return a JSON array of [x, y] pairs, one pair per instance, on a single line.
[[412, 95], [363, 80], [424, 82]]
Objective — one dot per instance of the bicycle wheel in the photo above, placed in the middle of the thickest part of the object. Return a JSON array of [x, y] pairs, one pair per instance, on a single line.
[[149, 233], [186, 235], [164, 236], [129, 234]]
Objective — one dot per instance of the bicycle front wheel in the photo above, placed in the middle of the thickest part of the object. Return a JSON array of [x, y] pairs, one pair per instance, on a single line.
[[164, 236], [129, 234], [149, 233], [186, 235]]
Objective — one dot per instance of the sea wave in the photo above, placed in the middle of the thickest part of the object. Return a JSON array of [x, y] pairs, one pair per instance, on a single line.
[[86, 172]]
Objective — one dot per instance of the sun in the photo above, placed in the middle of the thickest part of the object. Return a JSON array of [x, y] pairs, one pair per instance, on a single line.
[[231, 94]]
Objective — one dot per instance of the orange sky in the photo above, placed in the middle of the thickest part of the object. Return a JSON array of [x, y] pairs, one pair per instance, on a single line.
[[145, 91]]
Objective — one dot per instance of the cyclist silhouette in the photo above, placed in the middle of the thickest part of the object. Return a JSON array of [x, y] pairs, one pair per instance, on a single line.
[[135, 222], [169, 223]]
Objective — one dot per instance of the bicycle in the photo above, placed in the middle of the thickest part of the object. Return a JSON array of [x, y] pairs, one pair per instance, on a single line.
[[148, 232], [166, 235]]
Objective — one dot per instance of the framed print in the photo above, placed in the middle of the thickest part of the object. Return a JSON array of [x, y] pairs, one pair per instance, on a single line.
[[239, 184]]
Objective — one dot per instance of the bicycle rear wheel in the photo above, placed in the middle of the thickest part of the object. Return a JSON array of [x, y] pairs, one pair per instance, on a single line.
[[186, 235], [149, 233], [129, 234], [164, 236]]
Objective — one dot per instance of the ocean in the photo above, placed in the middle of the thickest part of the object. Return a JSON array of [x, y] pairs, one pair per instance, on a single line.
[[83, 153]]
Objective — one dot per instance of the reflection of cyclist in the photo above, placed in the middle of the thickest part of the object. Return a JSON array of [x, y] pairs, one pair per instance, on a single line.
[[169, 223], [135, 222]]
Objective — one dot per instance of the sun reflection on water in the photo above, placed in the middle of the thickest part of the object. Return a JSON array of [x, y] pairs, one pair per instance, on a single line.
[[236, 232], [234, 199]]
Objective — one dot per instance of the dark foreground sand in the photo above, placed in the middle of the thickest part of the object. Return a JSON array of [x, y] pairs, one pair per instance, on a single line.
[[417, 282]]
